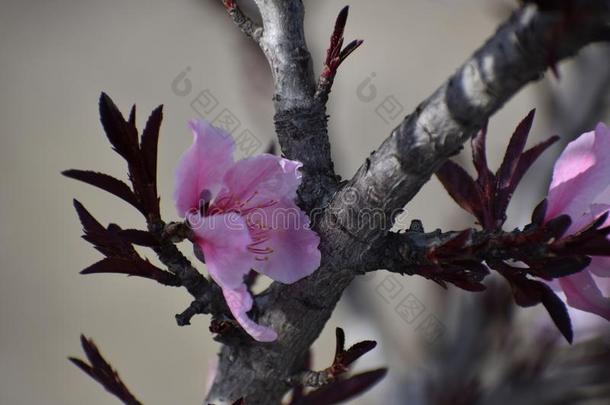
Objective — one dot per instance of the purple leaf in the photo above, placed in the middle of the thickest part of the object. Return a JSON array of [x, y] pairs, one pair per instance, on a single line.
[[102, 372], [528, 158], [340, 338], [150, 139], [337, 35], [525, 291], [529, 292], [564, 266], [514, 150], [138, 237], [557, 310], [349, 48], [525, 161], [122, 135], [514, 166], [479, 157], [132, 116], [133, 267], [539, 212], [461, 187], [106, 183], [90, 224], [356, 351], [558, 226], [107, 241], [597, 245], [342, 390]]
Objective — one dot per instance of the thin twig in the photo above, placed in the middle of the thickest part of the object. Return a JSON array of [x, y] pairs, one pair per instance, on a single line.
[[335, 55], [245, 24]]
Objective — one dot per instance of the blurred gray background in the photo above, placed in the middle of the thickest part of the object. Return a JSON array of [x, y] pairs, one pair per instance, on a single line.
[[55, 58]]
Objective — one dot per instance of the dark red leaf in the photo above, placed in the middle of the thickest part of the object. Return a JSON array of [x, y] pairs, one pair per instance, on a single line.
[[132, 117], [150, 139], [138, 237], [565, 266], [528, 157], [558, 226], [83, 366], [340, 345], [514, 150], [525, 291], [485, 178], [90, 224], [558, 311], [122, 135], [525, 161], [356, 351], [106, 183], [124, 138], [107, 241], [133, 267], [599, 221], [532, 292], [349, 48], [337, 35], [539, 212], [342, 390], [461, 187], [102, 372], [594, 245], [513, 167]]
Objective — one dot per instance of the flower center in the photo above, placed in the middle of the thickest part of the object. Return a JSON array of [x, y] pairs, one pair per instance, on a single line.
[[255, 215]]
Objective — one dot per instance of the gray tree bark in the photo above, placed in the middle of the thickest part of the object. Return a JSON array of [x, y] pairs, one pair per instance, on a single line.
[[518, 53]]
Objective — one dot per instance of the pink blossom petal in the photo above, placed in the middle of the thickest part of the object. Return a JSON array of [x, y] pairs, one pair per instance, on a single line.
[[583, 293], [239, 301], [259, 180], [202, 166], [580, 174], [294, 245], [224, 240], [584, 220], [600, 266]]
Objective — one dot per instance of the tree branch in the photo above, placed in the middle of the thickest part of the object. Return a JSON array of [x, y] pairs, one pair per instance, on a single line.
[[208, 296], [515, 55], [300, 119], [247, 26]]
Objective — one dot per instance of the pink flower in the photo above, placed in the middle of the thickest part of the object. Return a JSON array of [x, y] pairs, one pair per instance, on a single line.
[[578, 189], [244, 217]]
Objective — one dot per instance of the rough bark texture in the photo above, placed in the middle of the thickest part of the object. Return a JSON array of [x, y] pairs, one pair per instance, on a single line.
[[518, 53]]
